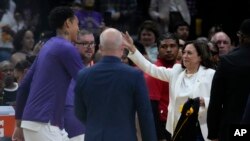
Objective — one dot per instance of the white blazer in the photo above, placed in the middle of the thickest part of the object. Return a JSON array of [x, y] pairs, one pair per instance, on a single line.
[[174, 76]]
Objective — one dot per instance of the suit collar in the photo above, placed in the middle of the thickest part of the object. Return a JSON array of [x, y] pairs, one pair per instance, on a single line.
[[110, 59]]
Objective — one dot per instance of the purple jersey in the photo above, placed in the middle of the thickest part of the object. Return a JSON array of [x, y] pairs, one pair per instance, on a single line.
[[46, 83]]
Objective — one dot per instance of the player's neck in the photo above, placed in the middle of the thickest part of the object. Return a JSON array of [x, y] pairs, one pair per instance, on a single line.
[[63, 33]]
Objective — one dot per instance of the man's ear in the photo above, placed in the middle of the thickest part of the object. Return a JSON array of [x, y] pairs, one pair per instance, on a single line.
[[67, 23]]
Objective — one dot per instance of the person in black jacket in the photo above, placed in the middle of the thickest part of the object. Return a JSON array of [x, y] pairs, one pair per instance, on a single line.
[[229, 90]]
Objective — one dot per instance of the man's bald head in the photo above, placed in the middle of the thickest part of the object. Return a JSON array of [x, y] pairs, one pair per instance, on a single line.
[[111, 39], [222, 40], [220, 34]]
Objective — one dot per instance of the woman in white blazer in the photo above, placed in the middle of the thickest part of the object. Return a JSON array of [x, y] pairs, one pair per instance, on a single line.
[[192, 78]]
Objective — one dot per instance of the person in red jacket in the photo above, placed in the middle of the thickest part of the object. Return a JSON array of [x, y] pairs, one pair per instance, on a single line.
[[168, 48]]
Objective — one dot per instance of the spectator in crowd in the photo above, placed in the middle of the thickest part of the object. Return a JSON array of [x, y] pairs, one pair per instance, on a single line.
[[42, 93], [20, 23], [181, 29], [178, 12], [6, 45], [86, 47], [118, 13], [190, 79], [10, 86], [6, 37], [7, 18], [222, 40], [229, 86], [23, 45], [159, 12], [168, 12], [90, 19], [148, 35], [21, 68], [29, 13], [168, 48], [107, 102]]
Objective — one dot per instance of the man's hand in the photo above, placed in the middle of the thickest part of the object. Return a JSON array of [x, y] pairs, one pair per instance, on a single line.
[[18, 134]]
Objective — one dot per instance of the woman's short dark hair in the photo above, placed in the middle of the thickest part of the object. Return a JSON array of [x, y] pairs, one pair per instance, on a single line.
[[150, 26], [203, 51], [59, 15]]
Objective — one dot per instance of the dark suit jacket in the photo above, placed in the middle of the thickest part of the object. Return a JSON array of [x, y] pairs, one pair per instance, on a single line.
[[246, 116], [107, 97], [229, 93]]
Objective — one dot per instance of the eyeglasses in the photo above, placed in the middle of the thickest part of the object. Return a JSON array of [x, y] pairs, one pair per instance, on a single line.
[[86, 44]]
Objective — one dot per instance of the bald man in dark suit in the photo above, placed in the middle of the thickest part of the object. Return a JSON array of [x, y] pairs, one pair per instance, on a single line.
[[109, 94]]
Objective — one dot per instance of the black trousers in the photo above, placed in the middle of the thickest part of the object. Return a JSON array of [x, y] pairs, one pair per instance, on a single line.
[[160, 126]]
